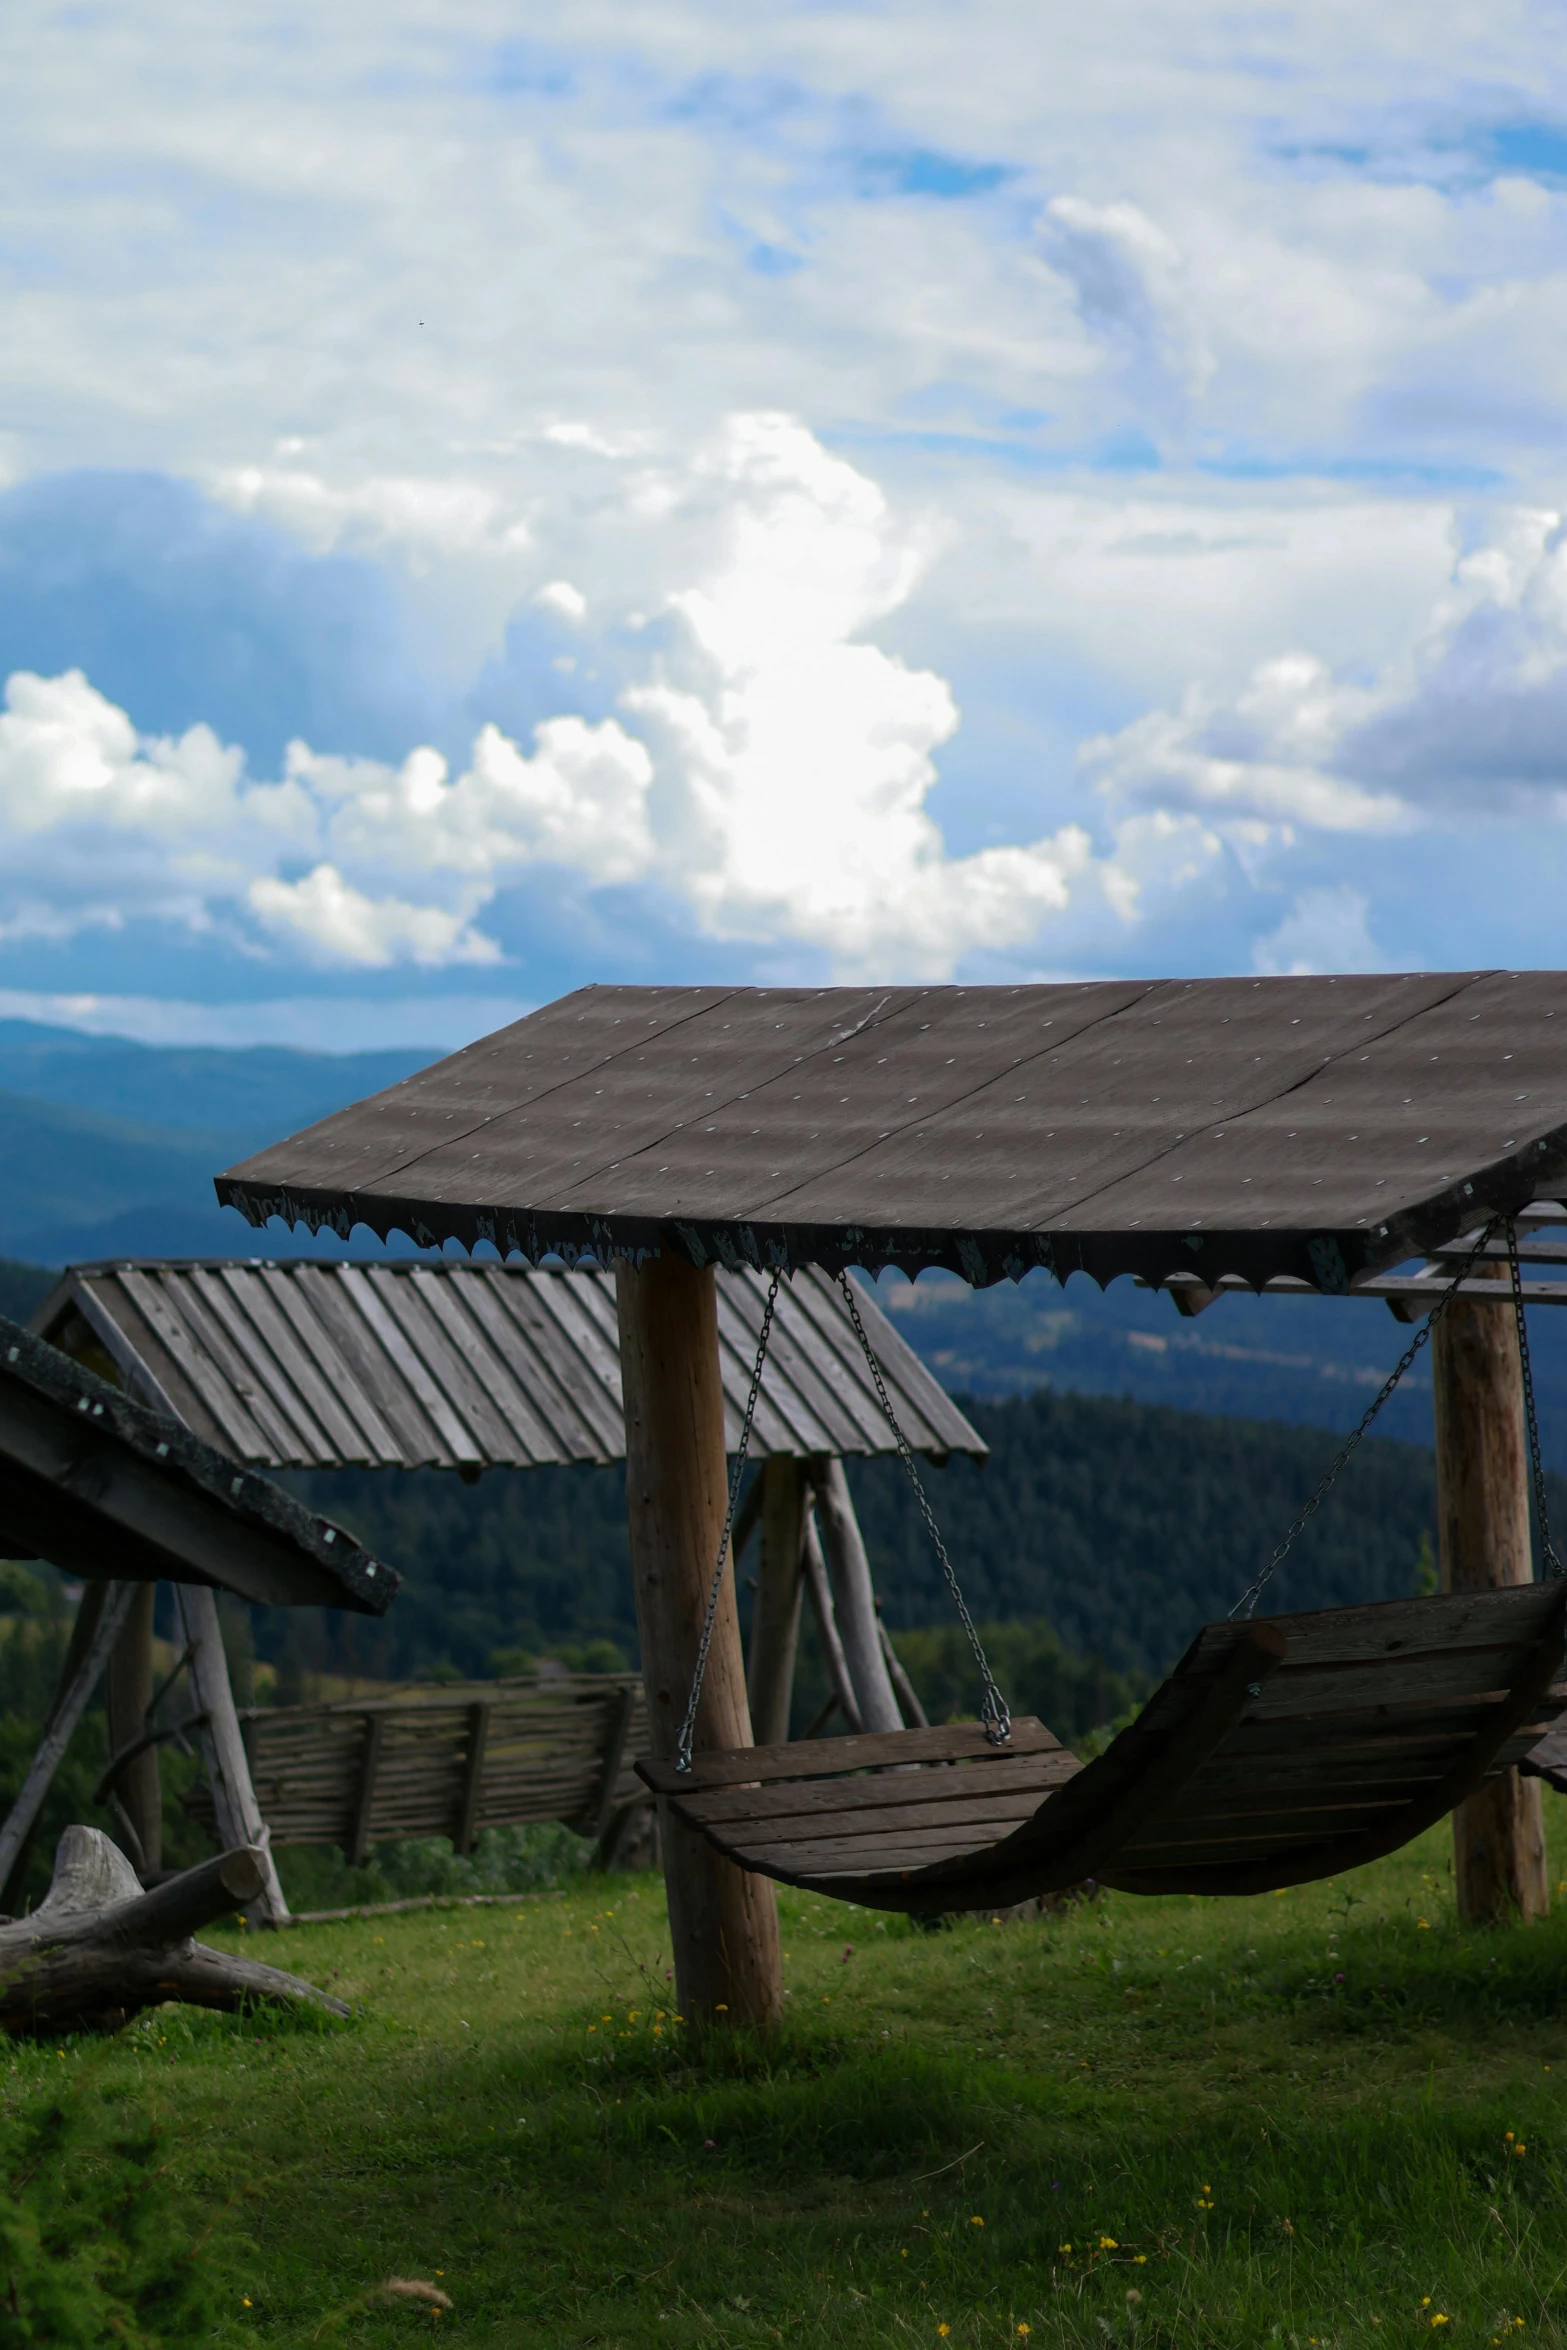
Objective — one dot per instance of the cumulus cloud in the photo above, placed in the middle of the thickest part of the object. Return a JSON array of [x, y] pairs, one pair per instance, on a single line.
[[796, 757], [1325, 930], [344, 926], [768, 769], [766, 765], [1267, 753], [1470, 723], [564, 600], [1129, 282], [420, 515], [353, 861]]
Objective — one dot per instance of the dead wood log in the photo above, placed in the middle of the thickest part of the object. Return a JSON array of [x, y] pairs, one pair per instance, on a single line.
[[98, 1949], [854, 1601], [819, 1590]]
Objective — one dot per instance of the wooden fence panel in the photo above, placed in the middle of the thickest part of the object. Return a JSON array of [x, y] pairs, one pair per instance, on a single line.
[[448, 1761]]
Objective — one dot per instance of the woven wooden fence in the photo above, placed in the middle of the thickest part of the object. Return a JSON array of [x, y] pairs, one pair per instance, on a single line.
[[448, 1761]]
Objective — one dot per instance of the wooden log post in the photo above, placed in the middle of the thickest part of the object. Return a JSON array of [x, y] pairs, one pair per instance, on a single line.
[[103, 1611], [223, 1749], [129, 1689], [780, 1587], [1482, 1490], [723, 1922], [819, 1586], [854, 1600]]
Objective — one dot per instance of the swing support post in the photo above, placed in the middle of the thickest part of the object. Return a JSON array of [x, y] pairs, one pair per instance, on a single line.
[[1482, 1486], [723, 1921]]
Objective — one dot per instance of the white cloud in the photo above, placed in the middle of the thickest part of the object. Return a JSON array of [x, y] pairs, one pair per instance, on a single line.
[[1470, 723], [1129, 281], [1325, 930], [423, 516], [770, 771], [564, 600], [344, 926], [1265, 753], [99, 825], [770, 764], [580, 800], [796, 759]]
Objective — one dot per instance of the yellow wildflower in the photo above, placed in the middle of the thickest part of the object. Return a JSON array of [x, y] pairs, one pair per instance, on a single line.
[[1108, 2244]]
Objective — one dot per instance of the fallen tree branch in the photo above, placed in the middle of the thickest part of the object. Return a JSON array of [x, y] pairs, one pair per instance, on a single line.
[[391, 1909], [98, 1949]]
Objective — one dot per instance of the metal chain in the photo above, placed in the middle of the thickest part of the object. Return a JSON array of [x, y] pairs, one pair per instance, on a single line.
[[688, 1726], [994, 1712], [1246, 1605], [1550, 1557]]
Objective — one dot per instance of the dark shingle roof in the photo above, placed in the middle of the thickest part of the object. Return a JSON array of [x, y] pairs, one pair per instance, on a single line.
[[1312, 1126]]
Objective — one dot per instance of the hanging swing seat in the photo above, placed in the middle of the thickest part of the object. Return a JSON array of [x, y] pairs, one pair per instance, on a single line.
[[1280, 1750]]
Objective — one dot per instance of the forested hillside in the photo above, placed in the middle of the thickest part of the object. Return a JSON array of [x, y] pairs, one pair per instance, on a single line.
[[1123, 1525]]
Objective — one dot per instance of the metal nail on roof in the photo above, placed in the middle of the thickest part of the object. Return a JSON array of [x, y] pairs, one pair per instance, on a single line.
[[1320, 1127], [467, 1366]]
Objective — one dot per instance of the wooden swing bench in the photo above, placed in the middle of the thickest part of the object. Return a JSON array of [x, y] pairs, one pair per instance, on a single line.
[[1277, 1752]]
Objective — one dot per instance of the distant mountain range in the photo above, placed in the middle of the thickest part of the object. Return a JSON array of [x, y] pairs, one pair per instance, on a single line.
[[108, 1148]]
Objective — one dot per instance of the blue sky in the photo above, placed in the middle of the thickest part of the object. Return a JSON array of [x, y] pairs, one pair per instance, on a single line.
[[826, 492]]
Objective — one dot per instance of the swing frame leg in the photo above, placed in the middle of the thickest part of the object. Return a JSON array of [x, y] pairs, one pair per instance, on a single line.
[[723, 1921]]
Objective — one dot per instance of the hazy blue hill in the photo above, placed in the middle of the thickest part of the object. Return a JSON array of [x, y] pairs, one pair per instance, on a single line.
[[1314, 1361], [261, 1091], [62, 1167], [108, 1148]]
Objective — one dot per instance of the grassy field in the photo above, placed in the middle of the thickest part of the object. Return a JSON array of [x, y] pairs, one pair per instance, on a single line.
[[1326, 2117]]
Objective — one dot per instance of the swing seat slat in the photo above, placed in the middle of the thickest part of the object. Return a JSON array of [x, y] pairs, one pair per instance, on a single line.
[[1276, 1752]]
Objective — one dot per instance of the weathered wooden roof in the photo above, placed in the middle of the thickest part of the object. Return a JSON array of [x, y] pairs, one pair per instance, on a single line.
[[1321, 1127], [104, 1487], [469, 1366]]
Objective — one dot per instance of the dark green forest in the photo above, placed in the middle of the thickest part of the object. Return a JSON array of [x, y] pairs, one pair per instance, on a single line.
[[1124, 1526]]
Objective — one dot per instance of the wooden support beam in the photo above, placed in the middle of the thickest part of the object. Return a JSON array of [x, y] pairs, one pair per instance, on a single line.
[[747, 1515], [131, 1680], [473, 1776], [914, 1713], [364, 1801], [723, 1922], [1482, 1489], [234, 1802], [820, 1590], [775, 1623], [92, 1640], [622, 1708], [854, 1601]]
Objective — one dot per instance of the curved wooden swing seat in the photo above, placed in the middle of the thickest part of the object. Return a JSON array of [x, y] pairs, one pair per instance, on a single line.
[[1277, 1752]]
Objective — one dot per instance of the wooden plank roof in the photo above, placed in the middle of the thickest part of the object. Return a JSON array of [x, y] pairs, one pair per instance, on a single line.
[[1321, 1127], [104, 1487], [468, 1366]]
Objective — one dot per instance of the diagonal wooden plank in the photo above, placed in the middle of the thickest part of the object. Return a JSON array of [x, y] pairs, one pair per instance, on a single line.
[[827, 1757]]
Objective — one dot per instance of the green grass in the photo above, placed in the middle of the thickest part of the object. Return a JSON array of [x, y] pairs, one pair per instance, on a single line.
[[1280, 2120]]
